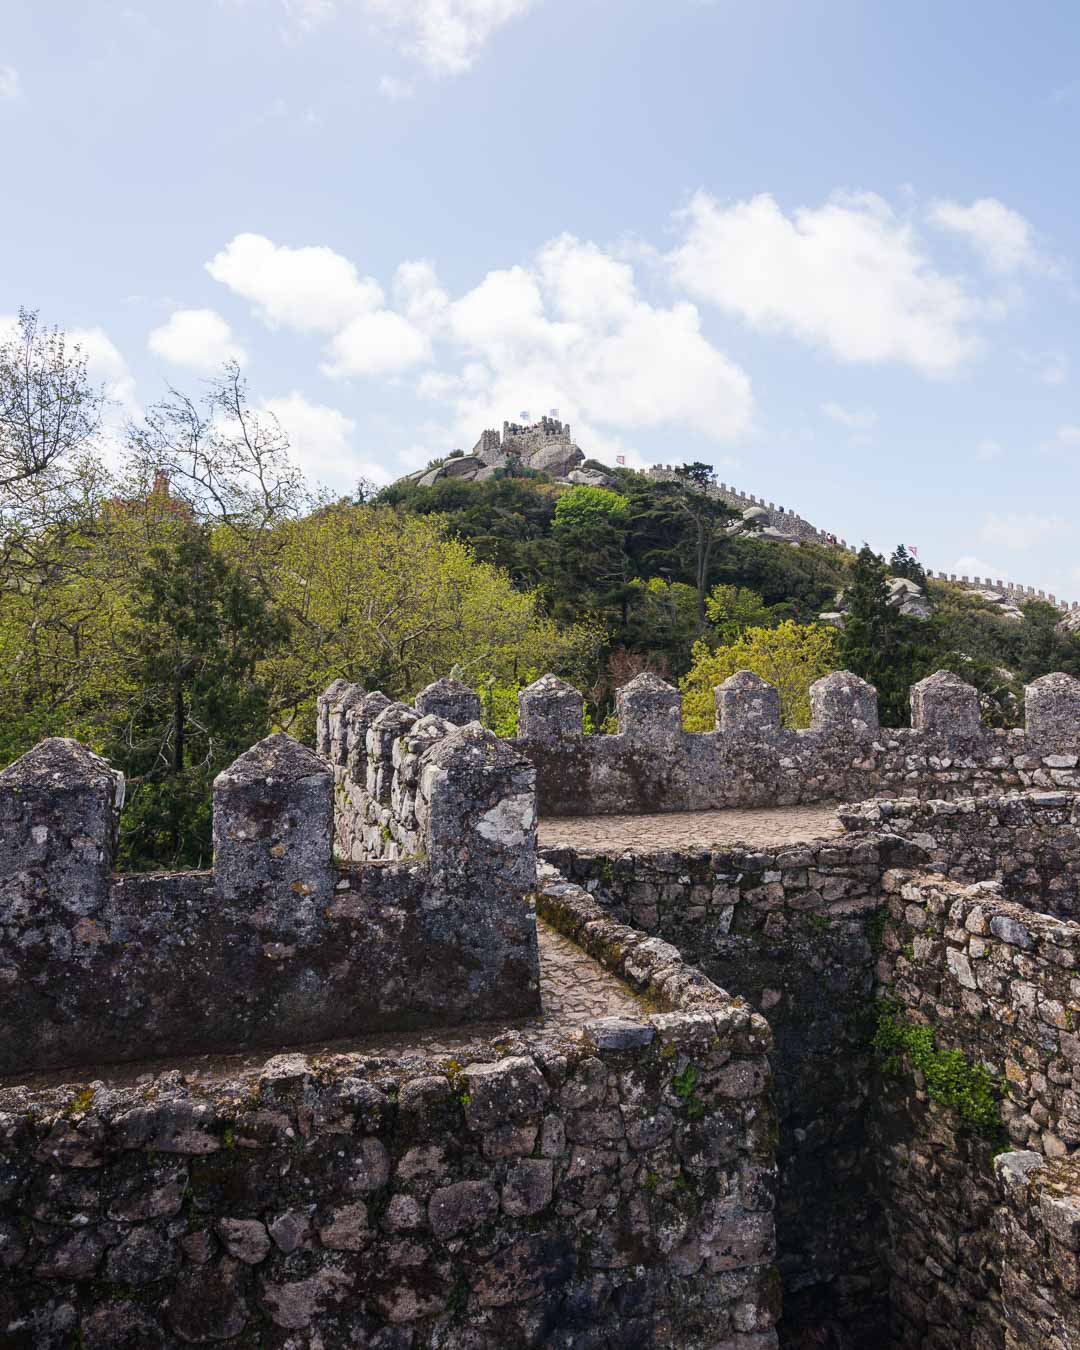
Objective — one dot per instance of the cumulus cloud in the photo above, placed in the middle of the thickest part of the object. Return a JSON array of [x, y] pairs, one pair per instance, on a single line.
[[199, 339], [320, 438], [105, 365], [312, 289], [446, 36], [848, 417], [988, 450], [849, 276], [10, 84], [571, 331], [1018, 532], [1068, 436], [381, 343], [1003, 238]]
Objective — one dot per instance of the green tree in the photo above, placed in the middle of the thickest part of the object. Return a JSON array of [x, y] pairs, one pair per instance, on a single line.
[[201, 627], [879, 643], [589, 506], [903, 564], [791, 656], [733, 609]]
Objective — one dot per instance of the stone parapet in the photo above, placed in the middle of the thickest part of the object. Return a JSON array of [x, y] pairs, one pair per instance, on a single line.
[[608, 1183], [751, 760], [279, 944]]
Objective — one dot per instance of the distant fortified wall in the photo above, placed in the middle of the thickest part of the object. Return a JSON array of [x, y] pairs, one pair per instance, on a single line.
[[775, 518], [781, 521]]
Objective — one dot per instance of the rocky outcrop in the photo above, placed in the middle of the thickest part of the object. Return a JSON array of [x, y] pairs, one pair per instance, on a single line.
[[544, 447]]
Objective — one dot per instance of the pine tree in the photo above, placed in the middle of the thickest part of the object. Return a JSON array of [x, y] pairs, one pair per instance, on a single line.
[[880, 644]]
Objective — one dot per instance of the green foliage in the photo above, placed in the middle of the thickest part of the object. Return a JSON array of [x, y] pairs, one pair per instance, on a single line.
[[734, 609], [684, 1086], [791, 656], [199, 626], [590, 507], [902, 564], [950, 1078], [879, 643]]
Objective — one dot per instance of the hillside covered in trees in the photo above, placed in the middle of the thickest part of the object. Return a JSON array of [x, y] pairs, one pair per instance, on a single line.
[[171, 599]]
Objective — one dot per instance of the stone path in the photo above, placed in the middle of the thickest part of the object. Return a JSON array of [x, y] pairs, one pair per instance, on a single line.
[[573, 989], [691, 829]]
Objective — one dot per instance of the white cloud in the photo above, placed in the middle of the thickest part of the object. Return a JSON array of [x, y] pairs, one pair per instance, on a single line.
[[988, 450], [1068, 436], [849, 276], [320, 438], [571, 331], [970, 566], [105, 365], [847, 417], [418, 293], [395, 89], [1002, 237], [446, 35], [381, 343], [197, 338], [1018, 532], [10, 84], [313, 289]]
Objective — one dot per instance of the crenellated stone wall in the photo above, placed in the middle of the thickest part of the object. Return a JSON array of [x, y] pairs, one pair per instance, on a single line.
[[1027, 841], [278, 945], [991, 988], [609, 1183], [652, 765], [892, 1226], [793, 930]]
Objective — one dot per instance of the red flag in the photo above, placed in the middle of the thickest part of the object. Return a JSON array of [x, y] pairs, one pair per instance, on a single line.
[[620, 459]]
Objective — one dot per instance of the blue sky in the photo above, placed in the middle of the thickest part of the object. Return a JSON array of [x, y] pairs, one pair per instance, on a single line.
[[829, 246]]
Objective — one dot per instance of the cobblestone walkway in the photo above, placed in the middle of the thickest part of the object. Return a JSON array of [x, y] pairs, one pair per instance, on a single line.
[[691, 829]]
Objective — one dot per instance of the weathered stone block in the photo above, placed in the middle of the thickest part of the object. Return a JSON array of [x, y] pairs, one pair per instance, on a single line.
[[394, 721], [345, 699], [843, 704], [549, 709], [323, 705], [476, 788], [944, 705], [1052, 712], [360, 716], [450, 699], [273, 829], [58, 812], [747, 707], [649, 710]]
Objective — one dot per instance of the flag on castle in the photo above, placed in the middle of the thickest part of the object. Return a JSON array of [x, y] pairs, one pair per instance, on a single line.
[[524, 416], [620, 459]]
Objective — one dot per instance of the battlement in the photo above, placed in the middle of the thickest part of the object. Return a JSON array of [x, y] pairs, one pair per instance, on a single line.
[[779, 518], [652, 765], [1009, 590], [280, 944]]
